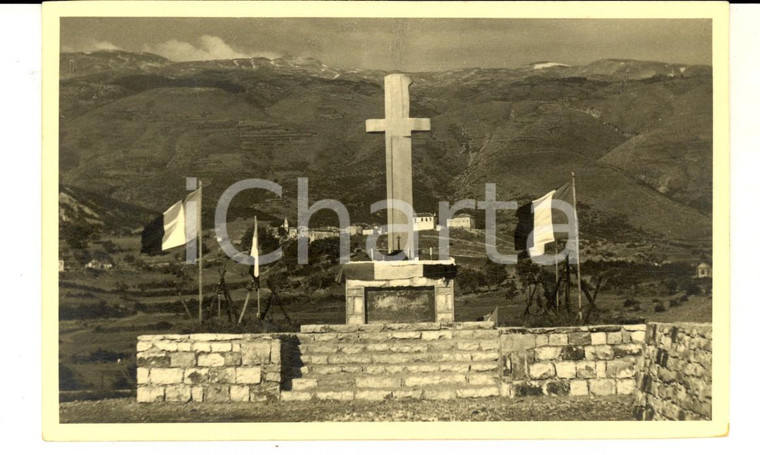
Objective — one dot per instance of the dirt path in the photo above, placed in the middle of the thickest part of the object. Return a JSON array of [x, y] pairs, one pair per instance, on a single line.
[[484, 409]]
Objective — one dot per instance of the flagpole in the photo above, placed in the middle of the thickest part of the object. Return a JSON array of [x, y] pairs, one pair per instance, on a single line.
[[578, 250], [200, 253], [556, 276]]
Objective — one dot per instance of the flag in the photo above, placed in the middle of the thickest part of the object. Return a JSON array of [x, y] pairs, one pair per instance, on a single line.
[[255, 248], [175, 227], [542, 221]]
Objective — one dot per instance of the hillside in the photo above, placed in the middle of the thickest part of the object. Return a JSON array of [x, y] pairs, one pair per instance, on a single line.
[[637, 134]]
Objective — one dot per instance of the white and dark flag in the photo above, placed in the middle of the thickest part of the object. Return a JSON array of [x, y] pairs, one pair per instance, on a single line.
[[175, 227], [255, 248], [545, 220]]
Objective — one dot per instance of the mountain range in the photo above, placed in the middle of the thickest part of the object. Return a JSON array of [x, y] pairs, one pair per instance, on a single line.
[[637, 135]]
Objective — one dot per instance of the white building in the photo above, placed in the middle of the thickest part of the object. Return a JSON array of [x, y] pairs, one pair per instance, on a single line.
[[464, 221], [424, 222], [98, 265]]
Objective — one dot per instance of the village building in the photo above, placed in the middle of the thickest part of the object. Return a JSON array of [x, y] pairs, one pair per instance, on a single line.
[[98, 265], [704, 270], [424, 222], [464, 221]]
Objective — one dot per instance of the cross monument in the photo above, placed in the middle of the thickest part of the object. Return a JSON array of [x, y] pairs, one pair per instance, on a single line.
[[398, 128]]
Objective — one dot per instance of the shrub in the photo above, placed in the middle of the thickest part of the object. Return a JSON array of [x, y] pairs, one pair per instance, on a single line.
[[659, 308], [675, 303]]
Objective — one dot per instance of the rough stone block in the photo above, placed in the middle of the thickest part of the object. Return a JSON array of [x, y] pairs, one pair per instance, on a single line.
[[405, 335], [638, 337], [527, 388], [547, 352], [181, 393], [196, 393], [232, 359], [165, 375], [210, 360], [572, 353], [626, 386], [373, 395], [202, 346], [255, 353], [517, 342], [439, 394], [602, 386], [144, 345], [153, 360], [142, 375], [559, 388], [217, 393], [578, 387], [430, 368], [601, 369], [586, 369], [565, 370], [221, 347], [273, 376], [221, 376], [480, 392], [484, 356], [542, 370], [444, 367], [296, 396], [579, 338], [482, 379], [542, 340], [196, 376], [377, 382], [185, 347], [182, 359], [407, 394], [150, 394], [168, 346], [240, 393], [598, 338], [625, 350], [614, 338], [248, 375], [489, 344], [489, 366], [346, 395], [558, 339], [620, 368], [599, 352], [468, 346]]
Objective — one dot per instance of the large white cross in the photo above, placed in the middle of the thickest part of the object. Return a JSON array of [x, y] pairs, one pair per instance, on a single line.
[[398, 128]]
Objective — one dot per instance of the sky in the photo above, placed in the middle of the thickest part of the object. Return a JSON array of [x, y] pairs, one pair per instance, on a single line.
[[398, 44]]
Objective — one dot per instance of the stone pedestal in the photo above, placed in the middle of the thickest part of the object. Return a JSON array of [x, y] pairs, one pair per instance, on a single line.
[[399, 291]]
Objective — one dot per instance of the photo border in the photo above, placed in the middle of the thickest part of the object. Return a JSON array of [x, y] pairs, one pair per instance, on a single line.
[[54, 430]]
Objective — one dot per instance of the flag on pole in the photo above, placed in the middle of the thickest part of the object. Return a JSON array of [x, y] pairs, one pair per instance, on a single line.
[[255, 247], [175, 227], [544, 221]]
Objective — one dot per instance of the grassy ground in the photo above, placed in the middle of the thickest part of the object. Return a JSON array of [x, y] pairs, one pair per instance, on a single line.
[[127, 410]]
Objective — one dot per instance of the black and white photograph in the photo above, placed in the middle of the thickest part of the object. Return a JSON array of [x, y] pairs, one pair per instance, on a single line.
[[389, 218]]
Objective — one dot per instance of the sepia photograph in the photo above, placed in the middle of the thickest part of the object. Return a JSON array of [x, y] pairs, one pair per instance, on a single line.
[[395, 215]]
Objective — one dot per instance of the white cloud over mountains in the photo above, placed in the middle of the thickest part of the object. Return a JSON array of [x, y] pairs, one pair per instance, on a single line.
[[93, 46], [208, 48]]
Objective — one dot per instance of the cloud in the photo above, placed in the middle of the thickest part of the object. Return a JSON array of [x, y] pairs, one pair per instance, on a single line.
[[208, 48], [92, 46]]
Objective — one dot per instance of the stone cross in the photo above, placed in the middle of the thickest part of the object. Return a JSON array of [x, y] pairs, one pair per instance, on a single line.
[[398, 129]]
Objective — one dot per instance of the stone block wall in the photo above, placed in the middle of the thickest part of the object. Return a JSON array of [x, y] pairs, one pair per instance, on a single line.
[[208, 367], [674, 381], [596, 360]]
